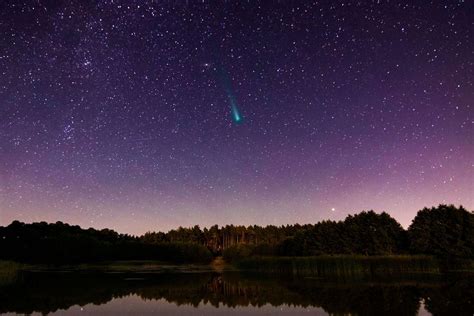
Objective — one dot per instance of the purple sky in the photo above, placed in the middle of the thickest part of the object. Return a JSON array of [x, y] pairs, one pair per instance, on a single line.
[[118, 113]]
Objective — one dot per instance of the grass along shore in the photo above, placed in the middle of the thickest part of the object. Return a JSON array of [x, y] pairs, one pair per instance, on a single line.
[[10, 268], [9, 271], [344, 266], [353, 265]]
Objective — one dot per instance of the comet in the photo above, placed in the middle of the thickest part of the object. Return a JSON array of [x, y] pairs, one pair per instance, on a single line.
[[237, 117], [234, 110]]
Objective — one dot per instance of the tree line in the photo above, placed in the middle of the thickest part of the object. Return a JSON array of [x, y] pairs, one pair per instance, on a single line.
[[64, 243], [443, 231]]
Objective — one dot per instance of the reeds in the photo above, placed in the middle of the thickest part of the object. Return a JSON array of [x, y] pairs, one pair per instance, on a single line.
[[343, 265], [8, 271]]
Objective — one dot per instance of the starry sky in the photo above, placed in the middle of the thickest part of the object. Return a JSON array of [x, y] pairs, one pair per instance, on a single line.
[[121, 114]]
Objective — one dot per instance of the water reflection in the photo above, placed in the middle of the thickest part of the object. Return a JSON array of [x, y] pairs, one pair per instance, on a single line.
[[251, 294]]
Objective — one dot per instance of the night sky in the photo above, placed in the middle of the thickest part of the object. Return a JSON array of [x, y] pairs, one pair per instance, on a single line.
[[138, 116]]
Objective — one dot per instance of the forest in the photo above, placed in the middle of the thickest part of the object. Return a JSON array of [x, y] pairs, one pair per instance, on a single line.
[[445, 231]]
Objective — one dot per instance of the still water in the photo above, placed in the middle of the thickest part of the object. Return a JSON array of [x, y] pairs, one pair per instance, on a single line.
[[230, 293]]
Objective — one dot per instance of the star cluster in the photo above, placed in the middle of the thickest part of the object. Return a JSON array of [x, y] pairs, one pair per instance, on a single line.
[[112, 113]]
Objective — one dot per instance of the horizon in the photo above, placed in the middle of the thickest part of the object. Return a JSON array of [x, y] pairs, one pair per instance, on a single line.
[[229, 224], [151, 116]]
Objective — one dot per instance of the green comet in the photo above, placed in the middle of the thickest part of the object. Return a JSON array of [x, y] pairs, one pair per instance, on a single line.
[[237, 117]]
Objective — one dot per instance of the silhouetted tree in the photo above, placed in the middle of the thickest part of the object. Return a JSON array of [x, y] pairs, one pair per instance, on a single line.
[[444, 231], [370, 233]]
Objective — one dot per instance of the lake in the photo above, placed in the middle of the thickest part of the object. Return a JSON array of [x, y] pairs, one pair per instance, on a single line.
[[230, 293]]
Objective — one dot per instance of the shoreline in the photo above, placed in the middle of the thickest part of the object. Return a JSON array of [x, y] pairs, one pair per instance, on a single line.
[[314, 266]]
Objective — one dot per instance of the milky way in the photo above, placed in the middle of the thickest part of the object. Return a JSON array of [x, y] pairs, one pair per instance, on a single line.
[[109, 119]]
